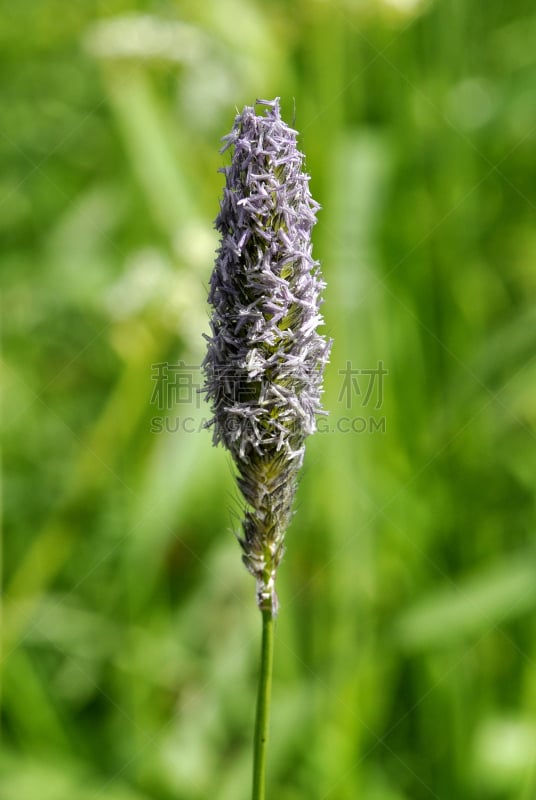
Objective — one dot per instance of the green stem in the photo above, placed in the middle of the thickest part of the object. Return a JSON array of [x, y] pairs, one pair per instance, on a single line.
[[263, 707]]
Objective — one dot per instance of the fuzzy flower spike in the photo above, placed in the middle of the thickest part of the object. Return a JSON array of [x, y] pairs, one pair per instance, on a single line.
[[265, 358]]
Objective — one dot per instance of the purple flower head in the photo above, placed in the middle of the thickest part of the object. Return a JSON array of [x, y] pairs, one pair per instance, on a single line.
[[265, 357]]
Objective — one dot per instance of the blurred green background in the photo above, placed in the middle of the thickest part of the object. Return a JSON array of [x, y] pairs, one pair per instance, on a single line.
[[406, 645]]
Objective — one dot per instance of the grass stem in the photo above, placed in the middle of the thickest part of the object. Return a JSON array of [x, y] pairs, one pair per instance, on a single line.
[[262, 721]]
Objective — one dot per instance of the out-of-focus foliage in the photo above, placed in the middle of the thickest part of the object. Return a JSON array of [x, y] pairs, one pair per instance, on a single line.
[[406, 655]]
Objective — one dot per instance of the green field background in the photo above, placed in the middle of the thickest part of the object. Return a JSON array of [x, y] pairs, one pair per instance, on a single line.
[[405, 664]]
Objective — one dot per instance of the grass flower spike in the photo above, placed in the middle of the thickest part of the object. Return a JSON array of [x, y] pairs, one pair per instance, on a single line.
[[265, 357]]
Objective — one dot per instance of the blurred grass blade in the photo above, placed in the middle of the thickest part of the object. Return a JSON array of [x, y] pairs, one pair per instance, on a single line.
[[474, 606]]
